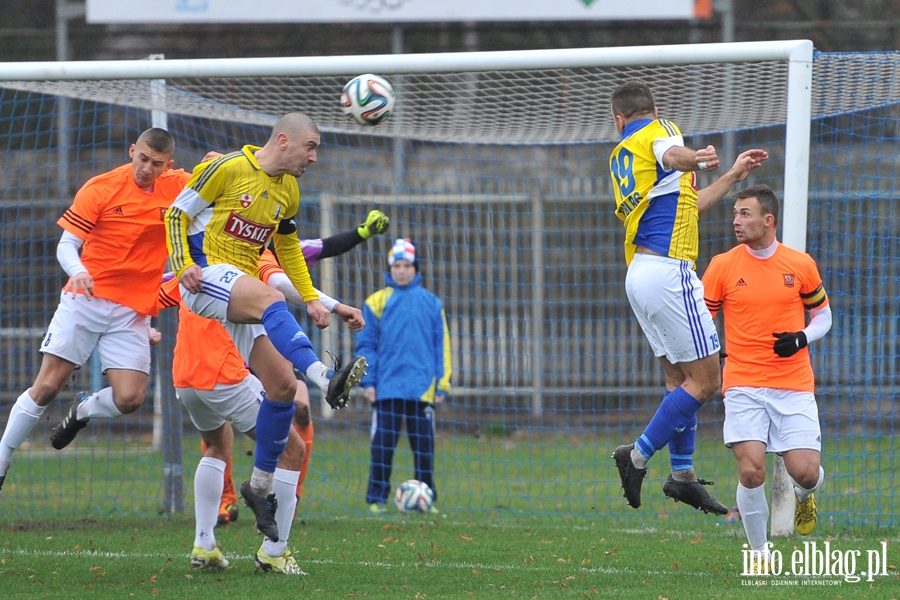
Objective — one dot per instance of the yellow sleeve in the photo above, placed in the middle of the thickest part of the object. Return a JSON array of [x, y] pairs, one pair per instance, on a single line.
[[444, 383], [177, 222], [290, 255]]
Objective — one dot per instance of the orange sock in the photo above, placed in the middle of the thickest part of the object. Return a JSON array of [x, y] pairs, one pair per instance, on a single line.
[[229, 494], [306, 434]]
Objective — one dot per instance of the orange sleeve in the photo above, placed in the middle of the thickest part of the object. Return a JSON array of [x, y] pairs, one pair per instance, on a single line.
[[80, 218], [712, 287], [169, 294], [268, 265]]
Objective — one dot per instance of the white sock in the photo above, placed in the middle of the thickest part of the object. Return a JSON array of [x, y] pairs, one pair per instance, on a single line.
[[754, 511], [803, 493], [99, 404], [286, 492], [261, 482], [23, 416], [640, 461], [209, 481], [318, 374], [684, 475]]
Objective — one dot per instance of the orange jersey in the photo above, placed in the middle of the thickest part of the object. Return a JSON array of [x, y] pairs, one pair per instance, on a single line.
[[204, 353], [124, 234], [758, 297]]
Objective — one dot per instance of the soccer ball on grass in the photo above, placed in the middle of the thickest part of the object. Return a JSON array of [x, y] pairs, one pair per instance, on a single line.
[[368, 99], [413, 495]]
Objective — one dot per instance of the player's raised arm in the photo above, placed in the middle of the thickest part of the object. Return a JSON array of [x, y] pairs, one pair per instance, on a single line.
[[743, 164], [684, 159]]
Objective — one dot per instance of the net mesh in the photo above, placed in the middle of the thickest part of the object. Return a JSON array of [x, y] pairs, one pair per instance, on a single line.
[[499, 107]]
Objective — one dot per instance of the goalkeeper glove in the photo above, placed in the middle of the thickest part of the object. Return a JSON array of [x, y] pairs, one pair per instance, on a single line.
[[376, 222], [789, 343]]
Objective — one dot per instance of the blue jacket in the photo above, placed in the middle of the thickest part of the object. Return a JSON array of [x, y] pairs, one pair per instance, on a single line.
[[406, 342]]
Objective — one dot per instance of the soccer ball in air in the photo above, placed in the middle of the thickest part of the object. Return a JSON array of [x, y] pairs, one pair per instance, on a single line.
[[413, 495], [368, 99]]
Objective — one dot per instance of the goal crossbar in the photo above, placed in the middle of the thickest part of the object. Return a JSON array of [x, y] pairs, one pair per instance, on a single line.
[[455, 62]]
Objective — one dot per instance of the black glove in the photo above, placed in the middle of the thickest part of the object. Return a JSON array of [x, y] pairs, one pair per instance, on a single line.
[[789, 343]]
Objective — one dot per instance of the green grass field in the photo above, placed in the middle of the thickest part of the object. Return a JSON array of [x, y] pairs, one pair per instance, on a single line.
[[538, 517], [414, 556]]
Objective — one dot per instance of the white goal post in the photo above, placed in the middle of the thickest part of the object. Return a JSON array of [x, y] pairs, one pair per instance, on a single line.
[[440, 99]]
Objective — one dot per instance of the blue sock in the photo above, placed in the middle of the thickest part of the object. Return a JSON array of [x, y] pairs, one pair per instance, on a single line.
[[273, 426], [287, 336], [681, 447], [674, 412]]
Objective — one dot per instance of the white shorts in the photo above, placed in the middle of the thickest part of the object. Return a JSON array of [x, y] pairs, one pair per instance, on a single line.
[[236, 403], [212, 303], [667, 298], [782, 419], [121, 335]]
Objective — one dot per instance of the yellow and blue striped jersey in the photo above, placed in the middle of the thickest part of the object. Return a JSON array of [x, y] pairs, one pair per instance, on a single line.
[[658, 206], [228, 211]]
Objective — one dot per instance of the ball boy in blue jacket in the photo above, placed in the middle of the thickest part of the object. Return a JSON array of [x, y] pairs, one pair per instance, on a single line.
[[406, 343]]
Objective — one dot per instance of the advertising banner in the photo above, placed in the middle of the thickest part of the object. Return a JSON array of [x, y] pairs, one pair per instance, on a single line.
[[388, 11]]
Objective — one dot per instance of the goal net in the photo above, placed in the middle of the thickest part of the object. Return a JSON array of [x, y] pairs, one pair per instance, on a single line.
[[497, 165]]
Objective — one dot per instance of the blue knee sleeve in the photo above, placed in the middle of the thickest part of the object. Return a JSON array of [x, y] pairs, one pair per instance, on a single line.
[[273, 426], [675, 412], [287, 336]]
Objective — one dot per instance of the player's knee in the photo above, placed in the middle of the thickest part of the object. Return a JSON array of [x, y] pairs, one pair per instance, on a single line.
[[711, 383], [270, 296], [129, 402], [752, 476], [301, 415], [249, 301], [218, 449], [807, 478], [281, 389], [292, 457]]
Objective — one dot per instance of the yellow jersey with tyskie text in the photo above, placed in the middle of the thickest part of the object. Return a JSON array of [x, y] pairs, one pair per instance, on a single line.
[[227, 213]]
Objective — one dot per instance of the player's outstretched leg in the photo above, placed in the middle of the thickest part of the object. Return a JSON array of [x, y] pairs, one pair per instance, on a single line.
[[263, 509], [693, 493], [289, 340], [65, 432], [631, 476], [344, 380]]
